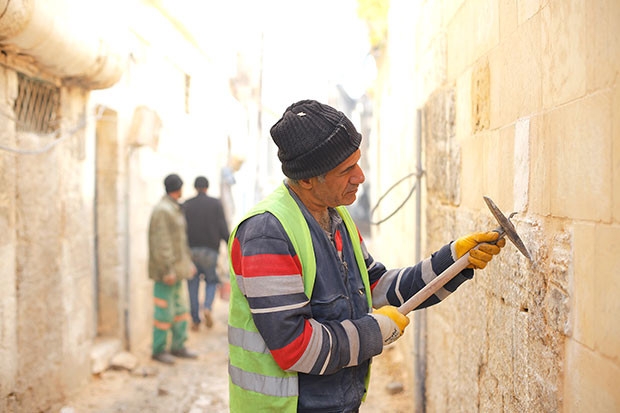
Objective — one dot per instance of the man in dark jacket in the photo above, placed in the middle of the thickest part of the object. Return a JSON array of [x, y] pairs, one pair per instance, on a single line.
[[206, 227]]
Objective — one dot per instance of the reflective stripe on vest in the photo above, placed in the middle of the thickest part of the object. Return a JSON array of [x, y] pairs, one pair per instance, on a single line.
[[270, 386], [257, 383], [249, 340]]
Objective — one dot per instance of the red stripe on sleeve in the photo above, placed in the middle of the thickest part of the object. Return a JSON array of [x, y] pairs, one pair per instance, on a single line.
[[270, 264], [235, 256], [373, 285], [288, 355]]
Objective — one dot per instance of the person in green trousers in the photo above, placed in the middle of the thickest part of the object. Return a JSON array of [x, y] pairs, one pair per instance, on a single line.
[[170, 263]]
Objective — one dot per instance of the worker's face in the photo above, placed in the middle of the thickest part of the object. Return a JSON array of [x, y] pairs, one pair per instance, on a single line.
[[339, 187]]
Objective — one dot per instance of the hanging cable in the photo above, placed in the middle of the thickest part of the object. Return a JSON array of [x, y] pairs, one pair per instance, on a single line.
[[417, 174], [55, 142]]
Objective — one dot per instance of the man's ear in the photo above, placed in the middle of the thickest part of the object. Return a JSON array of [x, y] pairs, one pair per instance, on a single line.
[[307, 183]]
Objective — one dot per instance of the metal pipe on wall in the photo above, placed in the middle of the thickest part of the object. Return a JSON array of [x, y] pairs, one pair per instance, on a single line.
[[419, 316]]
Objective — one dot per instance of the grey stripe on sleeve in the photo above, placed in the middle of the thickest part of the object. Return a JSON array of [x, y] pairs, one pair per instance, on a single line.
[[354, 342]]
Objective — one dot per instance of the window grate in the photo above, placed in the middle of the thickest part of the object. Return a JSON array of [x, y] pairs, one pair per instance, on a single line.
[[37, 105]]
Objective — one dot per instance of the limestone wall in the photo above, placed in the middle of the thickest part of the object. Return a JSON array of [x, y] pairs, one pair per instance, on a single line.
[[519, 103]]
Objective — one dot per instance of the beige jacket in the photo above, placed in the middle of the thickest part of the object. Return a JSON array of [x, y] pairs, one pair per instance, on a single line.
[[168, 247]]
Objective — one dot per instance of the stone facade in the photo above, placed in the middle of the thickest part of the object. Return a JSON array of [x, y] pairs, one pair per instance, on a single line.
[[519, 103]]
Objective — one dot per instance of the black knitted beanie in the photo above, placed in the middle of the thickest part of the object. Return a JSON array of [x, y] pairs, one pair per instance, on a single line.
[[313, 138]]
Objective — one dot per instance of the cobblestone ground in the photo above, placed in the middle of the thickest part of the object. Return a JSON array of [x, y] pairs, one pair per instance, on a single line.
[[197, 386]]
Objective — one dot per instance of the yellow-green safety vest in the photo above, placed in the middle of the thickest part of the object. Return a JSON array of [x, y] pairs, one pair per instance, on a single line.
[[256, 382]]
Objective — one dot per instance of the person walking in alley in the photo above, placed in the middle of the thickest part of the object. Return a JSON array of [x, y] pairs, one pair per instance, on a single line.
[[206, 227], [302, 329], [169, 263]]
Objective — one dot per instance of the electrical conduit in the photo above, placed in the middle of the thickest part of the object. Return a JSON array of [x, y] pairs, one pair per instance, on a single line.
[[71, 39]]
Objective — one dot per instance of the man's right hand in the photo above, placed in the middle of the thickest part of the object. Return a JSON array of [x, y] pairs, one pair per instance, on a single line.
[[170, 279], [479, 258], [391, 322]]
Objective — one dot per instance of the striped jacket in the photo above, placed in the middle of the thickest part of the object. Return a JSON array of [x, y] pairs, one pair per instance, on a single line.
[[328, 339]]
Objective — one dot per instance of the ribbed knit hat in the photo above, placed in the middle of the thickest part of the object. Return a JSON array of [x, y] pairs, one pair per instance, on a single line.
[[313, 138], [173, 182]]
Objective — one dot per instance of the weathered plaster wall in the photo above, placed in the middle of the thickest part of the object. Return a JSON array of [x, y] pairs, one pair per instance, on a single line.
[[8, 244], [520, 104], [53, 270], [74, 218]]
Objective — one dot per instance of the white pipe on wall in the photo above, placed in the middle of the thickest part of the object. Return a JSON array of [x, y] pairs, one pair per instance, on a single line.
[[83, 41]]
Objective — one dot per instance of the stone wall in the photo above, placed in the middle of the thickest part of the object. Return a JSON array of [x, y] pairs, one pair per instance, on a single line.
[[519, 103]]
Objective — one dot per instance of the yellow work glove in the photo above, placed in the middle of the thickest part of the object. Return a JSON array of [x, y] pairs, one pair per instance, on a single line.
[[479, 258], [391, 322]]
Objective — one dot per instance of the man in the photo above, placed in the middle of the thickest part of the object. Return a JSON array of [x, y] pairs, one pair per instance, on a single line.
[[169, 263], [206, 227], [301, 331]]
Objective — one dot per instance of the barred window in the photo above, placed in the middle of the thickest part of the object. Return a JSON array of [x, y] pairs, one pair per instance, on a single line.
[[37, 105]]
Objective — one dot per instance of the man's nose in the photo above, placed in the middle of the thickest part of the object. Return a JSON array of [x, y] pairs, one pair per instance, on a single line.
[[358, 176]]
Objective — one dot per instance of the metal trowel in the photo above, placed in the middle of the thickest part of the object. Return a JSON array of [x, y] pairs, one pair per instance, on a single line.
[[505, 229]]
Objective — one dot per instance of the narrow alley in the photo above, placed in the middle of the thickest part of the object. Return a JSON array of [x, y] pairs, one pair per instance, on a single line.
[[455, 101], [197, 386]]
